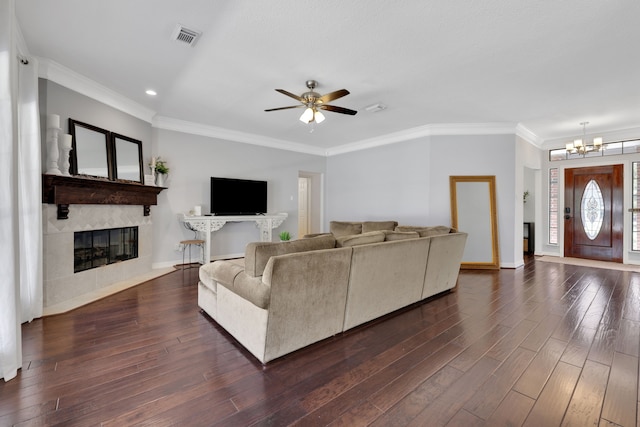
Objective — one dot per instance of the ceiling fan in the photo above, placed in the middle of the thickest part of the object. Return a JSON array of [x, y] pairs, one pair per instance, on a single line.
[[313, 102]]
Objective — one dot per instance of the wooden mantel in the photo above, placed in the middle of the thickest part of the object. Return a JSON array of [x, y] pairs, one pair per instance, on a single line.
[[72, 190]]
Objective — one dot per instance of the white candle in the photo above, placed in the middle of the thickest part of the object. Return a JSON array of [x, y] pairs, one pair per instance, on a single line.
[[66, 140], [53, 121], [197, 210], [153, 163]]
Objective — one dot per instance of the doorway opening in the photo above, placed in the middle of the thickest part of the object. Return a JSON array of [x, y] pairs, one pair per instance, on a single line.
[[309, 203]]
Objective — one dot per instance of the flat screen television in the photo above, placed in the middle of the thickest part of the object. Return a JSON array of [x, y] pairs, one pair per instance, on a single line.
[[231, 196]]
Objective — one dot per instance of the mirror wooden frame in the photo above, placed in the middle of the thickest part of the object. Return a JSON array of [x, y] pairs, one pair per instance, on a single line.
[[80, 167], [120, 166], [473, 210]]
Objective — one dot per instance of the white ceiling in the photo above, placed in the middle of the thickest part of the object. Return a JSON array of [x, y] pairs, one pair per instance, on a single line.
[[541, 64]]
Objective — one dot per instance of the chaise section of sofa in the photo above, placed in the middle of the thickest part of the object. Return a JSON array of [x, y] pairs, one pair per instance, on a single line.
[[305, 303]]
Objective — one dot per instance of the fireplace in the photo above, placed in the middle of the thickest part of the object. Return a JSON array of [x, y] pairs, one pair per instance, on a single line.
[[94, 248], [64, 284]]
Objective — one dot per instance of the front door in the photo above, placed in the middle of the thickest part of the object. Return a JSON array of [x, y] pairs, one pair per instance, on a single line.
[[593, 213]]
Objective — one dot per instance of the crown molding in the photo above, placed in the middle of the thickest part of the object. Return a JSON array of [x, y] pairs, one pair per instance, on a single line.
[[168, 123], [526, 134], [439, 129], [68, 78]]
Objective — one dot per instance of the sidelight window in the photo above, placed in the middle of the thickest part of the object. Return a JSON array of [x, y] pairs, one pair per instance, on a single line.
[[553, 206], [635, 201]]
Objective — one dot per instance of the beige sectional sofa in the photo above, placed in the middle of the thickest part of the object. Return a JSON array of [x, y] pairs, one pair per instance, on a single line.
[[285, 296]]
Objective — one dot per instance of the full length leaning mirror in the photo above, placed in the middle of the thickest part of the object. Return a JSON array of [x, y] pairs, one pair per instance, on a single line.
[[473, 210]]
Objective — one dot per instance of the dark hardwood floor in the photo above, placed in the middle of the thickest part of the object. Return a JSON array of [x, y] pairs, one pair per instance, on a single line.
[[543, 345]]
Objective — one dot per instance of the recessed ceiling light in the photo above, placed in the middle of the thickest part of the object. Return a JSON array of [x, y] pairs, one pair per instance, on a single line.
[[151, 92]]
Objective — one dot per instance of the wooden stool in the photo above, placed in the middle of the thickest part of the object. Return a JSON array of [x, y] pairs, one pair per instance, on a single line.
[[189, 243]]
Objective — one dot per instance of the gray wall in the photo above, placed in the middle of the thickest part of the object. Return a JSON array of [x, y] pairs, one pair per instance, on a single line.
[[409, 181], [388, 182], [56, 99], [530, 186], [193, 159]]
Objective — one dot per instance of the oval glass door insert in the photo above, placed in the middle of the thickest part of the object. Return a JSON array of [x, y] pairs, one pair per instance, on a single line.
[[592, 209]]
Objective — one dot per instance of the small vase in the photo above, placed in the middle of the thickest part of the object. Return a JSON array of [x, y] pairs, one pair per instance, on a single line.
[[160, 180]]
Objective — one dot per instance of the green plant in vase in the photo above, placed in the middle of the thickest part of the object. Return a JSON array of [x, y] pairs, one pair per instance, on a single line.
[[160, 170], [161, 166]]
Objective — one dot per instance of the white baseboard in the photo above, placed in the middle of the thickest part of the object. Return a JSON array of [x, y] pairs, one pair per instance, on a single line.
[[227, 256], [516, 264], [167, 264], [89, 297]]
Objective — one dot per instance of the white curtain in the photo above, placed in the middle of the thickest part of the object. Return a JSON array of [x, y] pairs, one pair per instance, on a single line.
[[20, 193], [29, 192]]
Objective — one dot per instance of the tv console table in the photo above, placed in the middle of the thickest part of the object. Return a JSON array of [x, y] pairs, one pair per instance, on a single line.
[[208, 224]]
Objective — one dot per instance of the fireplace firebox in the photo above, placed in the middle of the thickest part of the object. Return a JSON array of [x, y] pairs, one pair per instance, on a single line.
[[101, 247]]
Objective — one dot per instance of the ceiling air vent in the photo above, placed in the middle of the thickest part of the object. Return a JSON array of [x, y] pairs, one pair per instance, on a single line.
[[185, 35]]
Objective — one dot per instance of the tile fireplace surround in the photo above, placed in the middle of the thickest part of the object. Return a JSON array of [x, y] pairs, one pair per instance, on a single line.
[[61, 284]]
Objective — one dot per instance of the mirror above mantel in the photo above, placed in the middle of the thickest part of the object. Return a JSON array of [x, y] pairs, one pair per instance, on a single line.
[[90, 150], [127, 156], [99, 153]]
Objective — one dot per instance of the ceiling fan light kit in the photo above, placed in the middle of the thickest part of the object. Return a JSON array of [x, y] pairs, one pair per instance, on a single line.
[[311, 115], [313, 102]]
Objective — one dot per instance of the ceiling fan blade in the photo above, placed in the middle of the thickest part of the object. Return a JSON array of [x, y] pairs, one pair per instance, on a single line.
[[338, 109], [333, 95], [285, 108], [294, 96]]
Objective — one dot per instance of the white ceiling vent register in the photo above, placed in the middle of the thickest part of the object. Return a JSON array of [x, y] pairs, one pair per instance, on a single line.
[[185, 35]]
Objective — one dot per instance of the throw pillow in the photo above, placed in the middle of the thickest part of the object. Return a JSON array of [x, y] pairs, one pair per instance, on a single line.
[[391, 236], [426, 231], [378, 226], [257, 254], [360, 239], [343, 228]]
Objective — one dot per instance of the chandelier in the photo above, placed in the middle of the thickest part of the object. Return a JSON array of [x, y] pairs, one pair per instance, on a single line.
[[580, 146]]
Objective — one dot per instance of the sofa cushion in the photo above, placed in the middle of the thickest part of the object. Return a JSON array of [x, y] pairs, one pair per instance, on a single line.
[[252, 289], [360, 239], [343, 228], [426, 231], [308, 236], [391, 236], [257, 254], [220, 271], [378, 226]]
